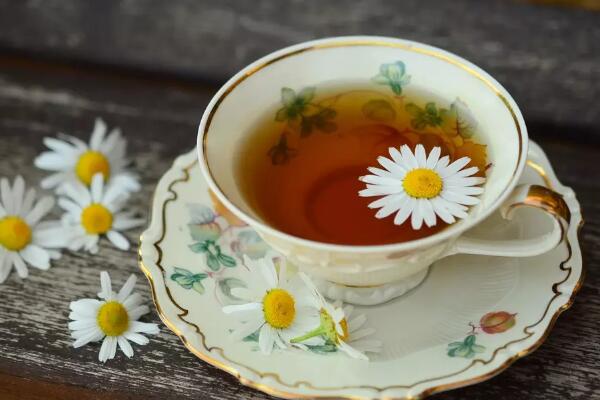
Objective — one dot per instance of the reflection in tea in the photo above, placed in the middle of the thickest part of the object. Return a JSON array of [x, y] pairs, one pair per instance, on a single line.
[[300, 166]]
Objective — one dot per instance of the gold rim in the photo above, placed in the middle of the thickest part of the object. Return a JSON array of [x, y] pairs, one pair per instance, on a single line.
[[494, 87], [203, 354]]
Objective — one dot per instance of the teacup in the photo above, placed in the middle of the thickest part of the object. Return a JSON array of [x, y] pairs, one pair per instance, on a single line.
[[374, 274]]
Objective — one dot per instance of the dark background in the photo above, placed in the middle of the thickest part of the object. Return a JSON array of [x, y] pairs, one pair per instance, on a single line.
[[151, 67]]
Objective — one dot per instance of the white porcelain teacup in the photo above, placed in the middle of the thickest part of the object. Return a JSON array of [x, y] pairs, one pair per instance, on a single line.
[[374, 274]]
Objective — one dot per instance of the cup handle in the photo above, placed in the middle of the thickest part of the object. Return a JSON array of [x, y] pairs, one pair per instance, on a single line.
[[536, 196]]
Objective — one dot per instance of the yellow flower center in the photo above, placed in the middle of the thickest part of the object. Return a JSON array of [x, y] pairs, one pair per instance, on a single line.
[[15, 234], [96, 219], [113, 318], [279, 308], [422, 183], [89, 164]]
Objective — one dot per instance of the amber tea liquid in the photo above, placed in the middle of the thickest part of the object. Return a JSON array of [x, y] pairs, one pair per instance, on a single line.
[[299, 167]]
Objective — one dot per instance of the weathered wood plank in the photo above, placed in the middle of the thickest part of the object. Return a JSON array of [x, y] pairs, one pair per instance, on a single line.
[[160, 122], [548, 57]]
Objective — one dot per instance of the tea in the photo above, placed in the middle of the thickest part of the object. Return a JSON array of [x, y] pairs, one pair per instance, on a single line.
[[299, 167]]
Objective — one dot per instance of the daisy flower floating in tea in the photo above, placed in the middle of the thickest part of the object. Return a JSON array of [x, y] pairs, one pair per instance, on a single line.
[[72, 160], [422, 186], [24, 237], [95, 211], [113, 318], [278, 308]]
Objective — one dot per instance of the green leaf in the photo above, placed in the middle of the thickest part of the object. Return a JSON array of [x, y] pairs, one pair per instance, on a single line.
[[413, 109], [199, 277], [470, 340], [198, 287], [380, 79], [212, 261], [226, 260], [306, 94], [281, 115], [396, 87], [199, 247], [323, 349], [185, 282], [253, 337], [227, 284], [181, 271], [288, 96], [203, 232], [455, 345], [430, 108], [379, 110]]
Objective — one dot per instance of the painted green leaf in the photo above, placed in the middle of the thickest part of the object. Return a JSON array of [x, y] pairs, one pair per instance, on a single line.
[[212, 261], [200, 214], [394, 75], [288, 96], [226, 284], [185, 282], [306, 94], [226, 260], [203, 232], [187, 279], [380, 79], [323, 349], [253, 337], [413, 109], [200, 247], [198, 287], [469, 340], [250, 244], [281, 114], [379, 110]]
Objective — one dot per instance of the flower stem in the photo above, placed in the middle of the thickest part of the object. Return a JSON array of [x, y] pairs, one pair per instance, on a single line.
[[315, 332]]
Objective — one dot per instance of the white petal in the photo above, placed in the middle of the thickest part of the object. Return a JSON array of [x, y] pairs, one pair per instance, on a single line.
[[269, 273], [456, 210], [127, 182], [244, 330], [125, 346], [356, 323], [118, 240], [61, 147], [36, 256], [242, 308], [391, 166], [380, 172], [6, 196], [121, 223], [19, 265], [27, 201], [137, 312], [396, 156], [459, 198], [39, 211], [368, 345], [78, 193], [50, 237], [441, 210], [96, 187], [467, 172], [352, 352], [86, 307], [98, 134], [111, 142], [127, 288], [136, 338], [395, 202], [433, 158], [52, 161], [105, 285], [86, 323], [54, 180], [454, 167], [405, 211], [442, 164], [382, 201], [5, 265], [132, 301], [143, 327], [408, 157], [90, 336], [378, 180], [469, 190], [266, 339], [377, 190], [105, 349], [416, 220], [361, 333], [420, 156], [428, 213], [18, 192]]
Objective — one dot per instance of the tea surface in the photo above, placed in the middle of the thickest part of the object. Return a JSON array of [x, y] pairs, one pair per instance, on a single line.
[[299, 167]]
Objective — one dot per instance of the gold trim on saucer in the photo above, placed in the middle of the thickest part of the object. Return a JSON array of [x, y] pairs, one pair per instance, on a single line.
[[204, 354]]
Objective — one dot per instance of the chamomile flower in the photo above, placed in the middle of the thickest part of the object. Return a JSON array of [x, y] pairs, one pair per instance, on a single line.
[[279, 308], [72, 160], [24, 239], [421, 187], [341, 328], [113, 318], [96, 211]]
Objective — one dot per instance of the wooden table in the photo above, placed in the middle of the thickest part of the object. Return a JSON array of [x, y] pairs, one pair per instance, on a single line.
[[151, 67]]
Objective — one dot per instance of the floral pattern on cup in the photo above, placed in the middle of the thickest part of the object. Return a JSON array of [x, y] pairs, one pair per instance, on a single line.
[[222, 240], [491, 323], [393, 75]]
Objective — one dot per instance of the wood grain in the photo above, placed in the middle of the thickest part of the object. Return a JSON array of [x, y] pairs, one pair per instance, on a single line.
[[549, 59]]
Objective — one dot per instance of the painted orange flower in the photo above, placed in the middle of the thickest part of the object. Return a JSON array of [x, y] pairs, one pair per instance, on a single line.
[[224, 211]]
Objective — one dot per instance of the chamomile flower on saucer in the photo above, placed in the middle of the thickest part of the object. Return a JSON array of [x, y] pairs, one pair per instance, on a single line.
[[279, 308], [113, 318], [341, 328], [24, 239], [422, 186], [72, 160], [96, 211]]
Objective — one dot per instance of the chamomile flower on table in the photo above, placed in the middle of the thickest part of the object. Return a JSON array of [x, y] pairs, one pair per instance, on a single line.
[[341, 327], [113, 319], [279, 308], [96, 211], [72, 160], [422, 187], [24, 237]]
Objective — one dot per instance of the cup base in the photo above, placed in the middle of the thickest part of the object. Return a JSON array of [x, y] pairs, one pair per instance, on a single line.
[[370, 295]]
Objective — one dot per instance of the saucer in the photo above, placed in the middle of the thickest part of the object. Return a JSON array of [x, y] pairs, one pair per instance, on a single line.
[[470, 318]]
